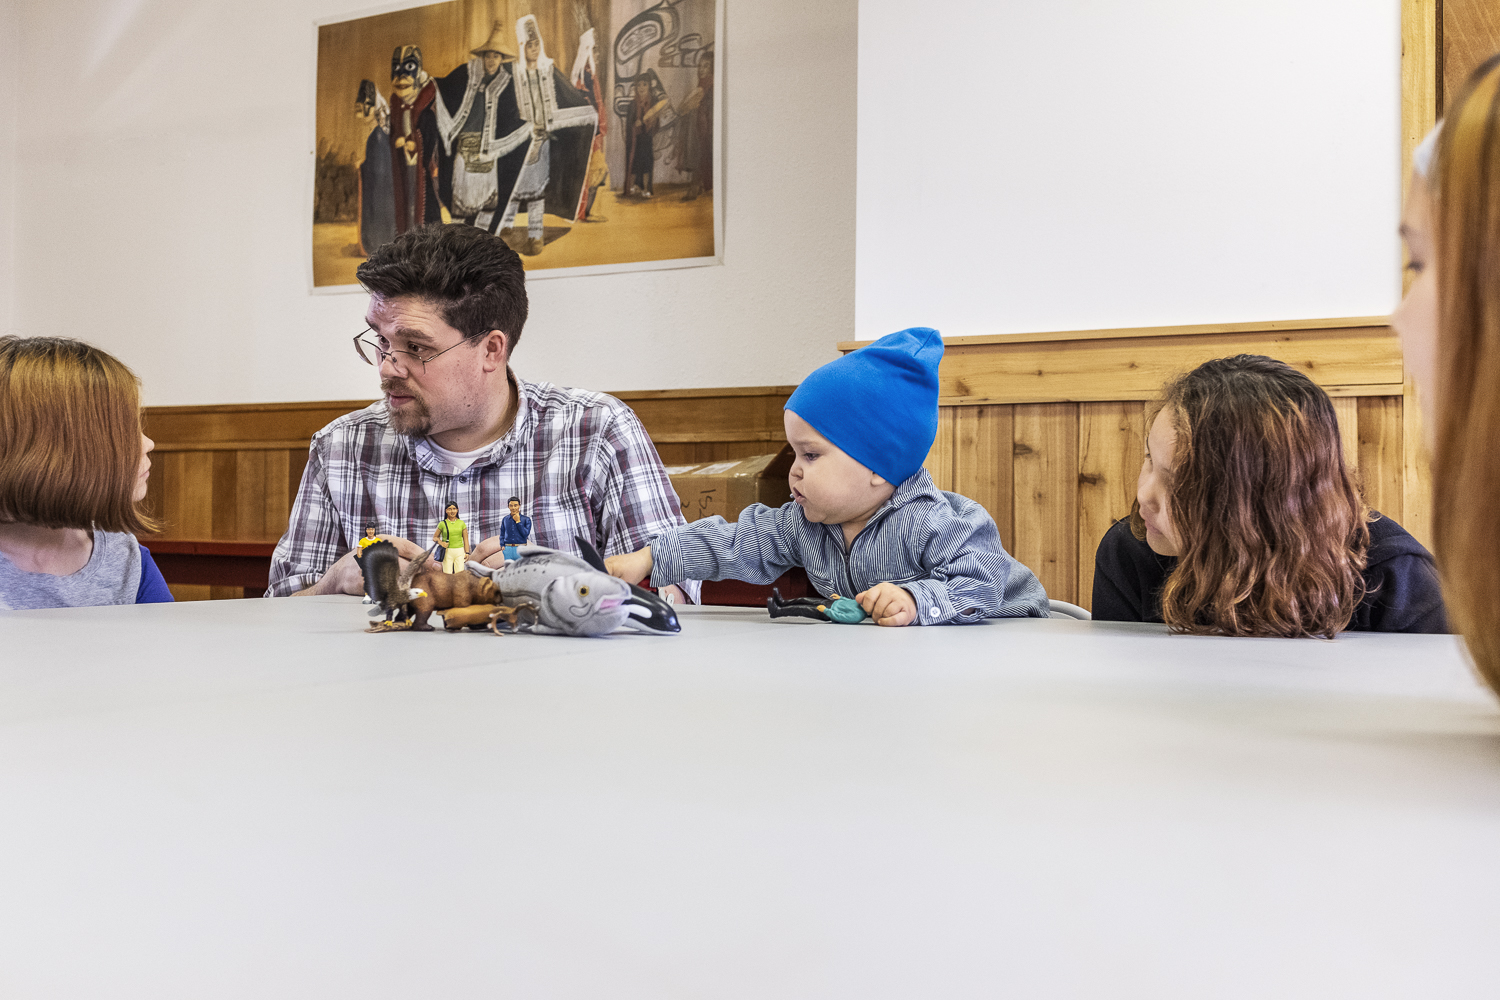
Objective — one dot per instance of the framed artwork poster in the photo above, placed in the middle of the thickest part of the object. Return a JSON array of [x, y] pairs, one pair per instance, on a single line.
[[584, 133]]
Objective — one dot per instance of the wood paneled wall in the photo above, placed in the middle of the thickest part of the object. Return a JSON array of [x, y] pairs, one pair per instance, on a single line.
[[1055, 476], [229, 473], [1469, 34], [708, 425]]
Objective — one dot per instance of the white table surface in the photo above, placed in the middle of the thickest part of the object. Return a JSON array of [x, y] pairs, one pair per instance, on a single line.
[[256, 799]]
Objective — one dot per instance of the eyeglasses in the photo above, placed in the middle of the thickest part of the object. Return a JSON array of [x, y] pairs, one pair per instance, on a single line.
[[372, 353]]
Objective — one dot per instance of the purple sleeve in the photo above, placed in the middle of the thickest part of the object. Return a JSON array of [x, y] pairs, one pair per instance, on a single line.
[[153, 588]]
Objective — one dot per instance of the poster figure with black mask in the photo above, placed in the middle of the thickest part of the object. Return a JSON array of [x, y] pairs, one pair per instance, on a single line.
[[514, 116], [413, 135]]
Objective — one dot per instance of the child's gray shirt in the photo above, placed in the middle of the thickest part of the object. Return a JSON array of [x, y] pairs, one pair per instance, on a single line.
[[111, 576], [942, 547]]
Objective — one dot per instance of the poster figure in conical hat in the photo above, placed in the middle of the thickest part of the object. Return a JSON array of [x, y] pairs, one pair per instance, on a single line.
[[483, 139], [562, 132]]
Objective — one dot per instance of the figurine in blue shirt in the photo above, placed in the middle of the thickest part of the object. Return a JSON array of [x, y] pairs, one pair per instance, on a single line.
[[515, 529], [865, 517]]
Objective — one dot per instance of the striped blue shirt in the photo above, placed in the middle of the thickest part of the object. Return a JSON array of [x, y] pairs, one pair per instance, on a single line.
[[944, 549]]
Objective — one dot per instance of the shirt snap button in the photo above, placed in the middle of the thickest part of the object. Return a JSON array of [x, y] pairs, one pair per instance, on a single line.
[[934, 612]]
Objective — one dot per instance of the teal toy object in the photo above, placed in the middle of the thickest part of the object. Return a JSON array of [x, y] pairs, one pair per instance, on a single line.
[[846, 611], [843, 610]]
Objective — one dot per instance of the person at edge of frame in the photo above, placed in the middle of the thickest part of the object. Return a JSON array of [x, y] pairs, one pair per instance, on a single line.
[[1449, 324]]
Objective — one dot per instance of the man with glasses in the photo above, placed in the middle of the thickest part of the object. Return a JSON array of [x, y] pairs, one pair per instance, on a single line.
[[447, 304]]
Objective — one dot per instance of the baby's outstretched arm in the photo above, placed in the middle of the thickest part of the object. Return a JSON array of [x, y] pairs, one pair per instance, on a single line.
[[888, 604], [632, 567]]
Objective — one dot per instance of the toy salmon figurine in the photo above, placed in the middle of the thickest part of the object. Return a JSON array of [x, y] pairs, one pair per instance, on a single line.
[[553, 591]]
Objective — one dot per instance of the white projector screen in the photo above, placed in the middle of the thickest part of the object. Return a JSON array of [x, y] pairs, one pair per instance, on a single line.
[[1091, 164]]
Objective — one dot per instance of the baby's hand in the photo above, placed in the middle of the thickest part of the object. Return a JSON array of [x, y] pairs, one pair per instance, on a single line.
[[632, 567], [888, 604]]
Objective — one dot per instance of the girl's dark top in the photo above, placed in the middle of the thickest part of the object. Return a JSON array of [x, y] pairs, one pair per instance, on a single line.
[[1401, 582]]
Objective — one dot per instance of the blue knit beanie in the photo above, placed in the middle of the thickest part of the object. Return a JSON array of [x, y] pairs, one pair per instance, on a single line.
[[879, 405]]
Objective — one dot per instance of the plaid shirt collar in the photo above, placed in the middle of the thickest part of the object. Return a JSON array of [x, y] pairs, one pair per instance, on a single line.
[[520, 435]]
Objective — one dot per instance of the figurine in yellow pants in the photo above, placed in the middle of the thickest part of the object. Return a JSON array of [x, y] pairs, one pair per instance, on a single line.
[[454, 535]]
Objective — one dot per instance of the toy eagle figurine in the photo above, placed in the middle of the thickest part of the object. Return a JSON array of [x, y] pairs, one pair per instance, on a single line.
[[407, 598]]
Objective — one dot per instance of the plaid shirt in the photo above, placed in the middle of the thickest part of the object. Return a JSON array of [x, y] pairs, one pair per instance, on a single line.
[[580, 461]]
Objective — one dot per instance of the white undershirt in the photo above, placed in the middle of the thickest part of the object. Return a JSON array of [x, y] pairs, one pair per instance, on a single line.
[[457, 461]]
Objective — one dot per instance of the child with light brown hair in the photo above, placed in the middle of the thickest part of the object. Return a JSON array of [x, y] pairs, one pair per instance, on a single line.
[[73, 469], [1247, 521]]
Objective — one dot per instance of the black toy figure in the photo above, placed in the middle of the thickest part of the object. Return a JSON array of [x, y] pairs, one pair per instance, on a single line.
[[842, 610]]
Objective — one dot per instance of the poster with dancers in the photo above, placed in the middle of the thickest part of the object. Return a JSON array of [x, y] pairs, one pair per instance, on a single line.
[[584, 133]]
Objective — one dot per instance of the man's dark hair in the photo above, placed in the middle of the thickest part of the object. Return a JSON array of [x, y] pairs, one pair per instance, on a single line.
[[512, 500], [474, 279]]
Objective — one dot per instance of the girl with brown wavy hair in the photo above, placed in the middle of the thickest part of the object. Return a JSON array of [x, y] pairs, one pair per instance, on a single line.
[[1450, 330], [1247, 522], [73, 470]]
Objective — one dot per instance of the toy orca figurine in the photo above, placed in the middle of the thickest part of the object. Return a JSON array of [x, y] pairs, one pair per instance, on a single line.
[[648, 612]]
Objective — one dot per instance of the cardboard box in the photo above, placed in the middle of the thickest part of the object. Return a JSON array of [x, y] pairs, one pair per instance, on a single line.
[[728, 487]]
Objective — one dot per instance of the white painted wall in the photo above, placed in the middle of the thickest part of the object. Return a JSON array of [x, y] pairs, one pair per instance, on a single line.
[[1080, 164], [164, 171], [9, 34], [1021, 167]]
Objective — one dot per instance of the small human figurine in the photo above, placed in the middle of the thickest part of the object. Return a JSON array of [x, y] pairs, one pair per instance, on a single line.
[[365, 543], [844, 610], [454, 536], [514, 530]]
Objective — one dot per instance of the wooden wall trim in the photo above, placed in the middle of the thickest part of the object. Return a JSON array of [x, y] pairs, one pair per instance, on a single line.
[[1421, 104], [1137, 332], [266, 444], [1421, 51], [722, 393], [1346, 360], [342, 405]]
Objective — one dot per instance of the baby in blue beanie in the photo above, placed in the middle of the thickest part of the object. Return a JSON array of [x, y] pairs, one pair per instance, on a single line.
[[865, 517]]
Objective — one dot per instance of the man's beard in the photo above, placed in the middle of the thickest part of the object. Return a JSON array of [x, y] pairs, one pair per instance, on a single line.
[[412, 420]]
